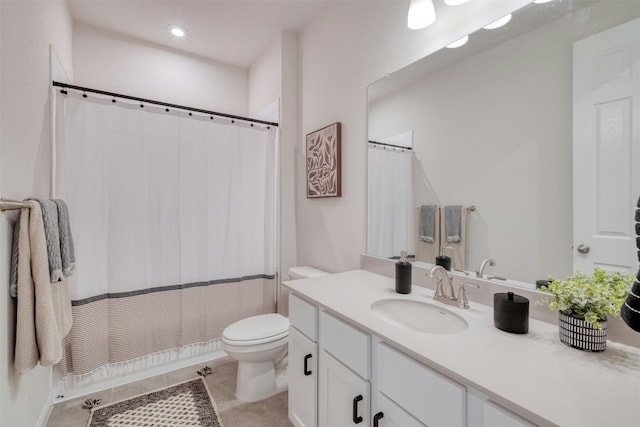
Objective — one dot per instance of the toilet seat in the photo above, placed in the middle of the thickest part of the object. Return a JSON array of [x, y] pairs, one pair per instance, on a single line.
[[263, 328]]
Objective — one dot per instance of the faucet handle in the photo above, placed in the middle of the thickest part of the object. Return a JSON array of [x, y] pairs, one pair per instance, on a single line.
[[462, 294], [439, 288]]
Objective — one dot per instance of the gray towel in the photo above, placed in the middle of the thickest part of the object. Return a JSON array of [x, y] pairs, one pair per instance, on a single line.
[[67, 252], [427, 223], [452, 220], [13, 273], [52, 234]]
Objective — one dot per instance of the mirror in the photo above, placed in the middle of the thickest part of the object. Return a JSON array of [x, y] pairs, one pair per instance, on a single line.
[[491, 127]]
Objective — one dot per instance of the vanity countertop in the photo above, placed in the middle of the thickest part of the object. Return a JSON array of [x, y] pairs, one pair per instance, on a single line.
[[534, 374]]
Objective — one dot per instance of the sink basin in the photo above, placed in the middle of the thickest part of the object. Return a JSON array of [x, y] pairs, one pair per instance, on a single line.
[[419, 316]]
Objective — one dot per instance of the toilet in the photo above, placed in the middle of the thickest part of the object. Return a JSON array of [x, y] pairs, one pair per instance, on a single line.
[[260, 345]]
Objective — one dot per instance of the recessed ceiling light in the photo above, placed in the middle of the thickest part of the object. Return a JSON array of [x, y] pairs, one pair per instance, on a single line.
[[498, 23], [177, 31], [541, 1], [422, 13], [458, 42], [454, 2]]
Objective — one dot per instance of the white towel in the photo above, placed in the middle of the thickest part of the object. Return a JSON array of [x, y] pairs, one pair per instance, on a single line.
[[44, 308]]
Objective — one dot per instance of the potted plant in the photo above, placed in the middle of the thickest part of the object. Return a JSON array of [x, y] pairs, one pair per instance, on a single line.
[[584, 302]]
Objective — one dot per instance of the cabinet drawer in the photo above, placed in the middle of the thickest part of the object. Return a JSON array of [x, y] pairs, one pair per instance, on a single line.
[[346, 343], [432, 398], [303, 316]]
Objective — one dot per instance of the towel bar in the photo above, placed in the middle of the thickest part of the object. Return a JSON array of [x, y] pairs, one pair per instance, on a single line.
[[6, 205]]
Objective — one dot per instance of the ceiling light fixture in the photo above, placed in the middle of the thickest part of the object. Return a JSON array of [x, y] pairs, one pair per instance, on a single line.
[[541, 1], [458, 42], [177, 31], [455, 2], [498, 23], [421, 14]]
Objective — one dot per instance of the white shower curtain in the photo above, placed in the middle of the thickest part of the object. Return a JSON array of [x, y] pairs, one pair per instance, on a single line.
[[390, 200], [173, 220]]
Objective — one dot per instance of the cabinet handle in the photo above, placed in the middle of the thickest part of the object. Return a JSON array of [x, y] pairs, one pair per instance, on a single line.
[[356, 418], [307, 372], [376, 418]]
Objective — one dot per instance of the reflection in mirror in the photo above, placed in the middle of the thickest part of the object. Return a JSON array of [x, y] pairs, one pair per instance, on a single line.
[[492, 127], [389, 207]]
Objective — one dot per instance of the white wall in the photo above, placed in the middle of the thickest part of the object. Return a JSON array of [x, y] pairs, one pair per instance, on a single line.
[[349, 46], [274, 76], [264, 78], [495, 131], [27, 29], [109, 61]]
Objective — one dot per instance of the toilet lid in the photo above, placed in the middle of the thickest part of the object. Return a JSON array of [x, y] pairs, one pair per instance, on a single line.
[[257, 328]]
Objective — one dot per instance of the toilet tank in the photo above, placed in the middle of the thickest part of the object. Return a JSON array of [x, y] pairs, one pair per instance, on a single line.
[[305, 272]]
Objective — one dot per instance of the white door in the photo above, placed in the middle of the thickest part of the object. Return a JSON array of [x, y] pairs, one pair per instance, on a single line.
[[606, 148], [303, 378], [343, 397]]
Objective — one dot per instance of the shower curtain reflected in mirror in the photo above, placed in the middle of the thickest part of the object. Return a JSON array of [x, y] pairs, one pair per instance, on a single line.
[[173, 220], [390, 201]]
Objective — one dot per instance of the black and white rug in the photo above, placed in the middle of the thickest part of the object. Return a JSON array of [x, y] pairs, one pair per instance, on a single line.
[[180, 405]]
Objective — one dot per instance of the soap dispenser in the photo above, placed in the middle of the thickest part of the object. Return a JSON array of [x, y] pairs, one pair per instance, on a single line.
[[403, 274], [443, 259]]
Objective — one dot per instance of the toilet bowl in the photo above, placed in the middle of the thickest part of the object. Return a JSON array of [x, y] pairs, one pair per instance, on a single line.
[[260, 345]]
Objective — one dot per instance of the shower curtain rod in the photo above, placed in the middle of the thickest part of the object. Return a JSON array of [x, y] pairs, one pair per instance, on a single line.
[[163, 104], [390, 145]]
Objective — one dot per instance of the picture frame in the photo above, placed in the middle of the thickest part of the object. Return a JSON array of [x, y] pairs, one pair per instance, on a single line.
[[324, 162]]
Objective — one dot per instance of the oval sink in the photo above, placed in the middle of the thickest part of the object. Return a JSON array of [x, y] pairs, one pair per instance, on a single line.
[[419, 316]]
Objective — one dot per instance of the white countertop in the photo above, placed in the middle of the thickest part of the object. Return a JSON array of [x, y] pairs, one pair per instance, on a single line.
[[533, 374]]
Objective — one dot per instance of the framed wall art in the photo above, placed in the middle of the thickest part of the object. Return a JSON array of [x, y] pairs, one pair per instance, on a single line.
[[324, 167]]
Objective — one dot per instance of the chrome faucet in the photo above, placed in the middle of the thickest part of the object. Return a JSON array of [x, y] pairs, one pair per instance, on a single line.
[[440, 292], [445, 292], [483, 264]]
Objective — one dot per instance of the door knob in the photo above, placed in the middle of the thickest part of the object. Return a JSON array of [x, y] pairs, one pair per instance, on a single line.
[[583, 249]]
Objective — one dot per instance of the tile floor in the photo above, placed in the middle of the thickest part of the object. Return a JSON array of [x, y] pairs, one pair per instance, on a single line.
[[270, 412]]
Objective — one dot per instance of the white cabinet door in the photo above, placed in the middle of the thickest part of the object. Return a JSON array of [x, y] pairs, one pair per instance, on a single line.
[[388, 414], [343, 397], [303, 379]]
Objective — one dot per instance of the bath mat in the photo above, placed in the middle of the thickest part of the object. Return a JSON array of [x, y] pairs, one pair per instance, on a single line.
[[185, 404]]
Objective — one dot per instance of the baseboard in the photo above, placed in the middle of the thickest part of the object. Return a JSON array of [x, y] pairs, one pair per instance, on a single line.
[[73, 392], [46, 411]]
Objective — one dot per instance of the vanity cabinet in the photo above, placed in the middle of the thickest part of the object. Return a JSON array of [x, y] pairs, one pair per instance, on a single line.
[[341, 376], [303, 363]]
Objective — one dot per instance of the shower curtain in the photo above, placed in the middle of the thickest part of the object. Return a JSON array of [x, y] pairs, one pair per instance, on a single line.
[[390, 200], [173, 220]]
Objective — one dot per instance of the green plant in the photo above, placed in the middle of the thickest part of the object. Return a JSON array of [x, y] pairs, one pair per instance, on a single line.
[[589, 297]]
